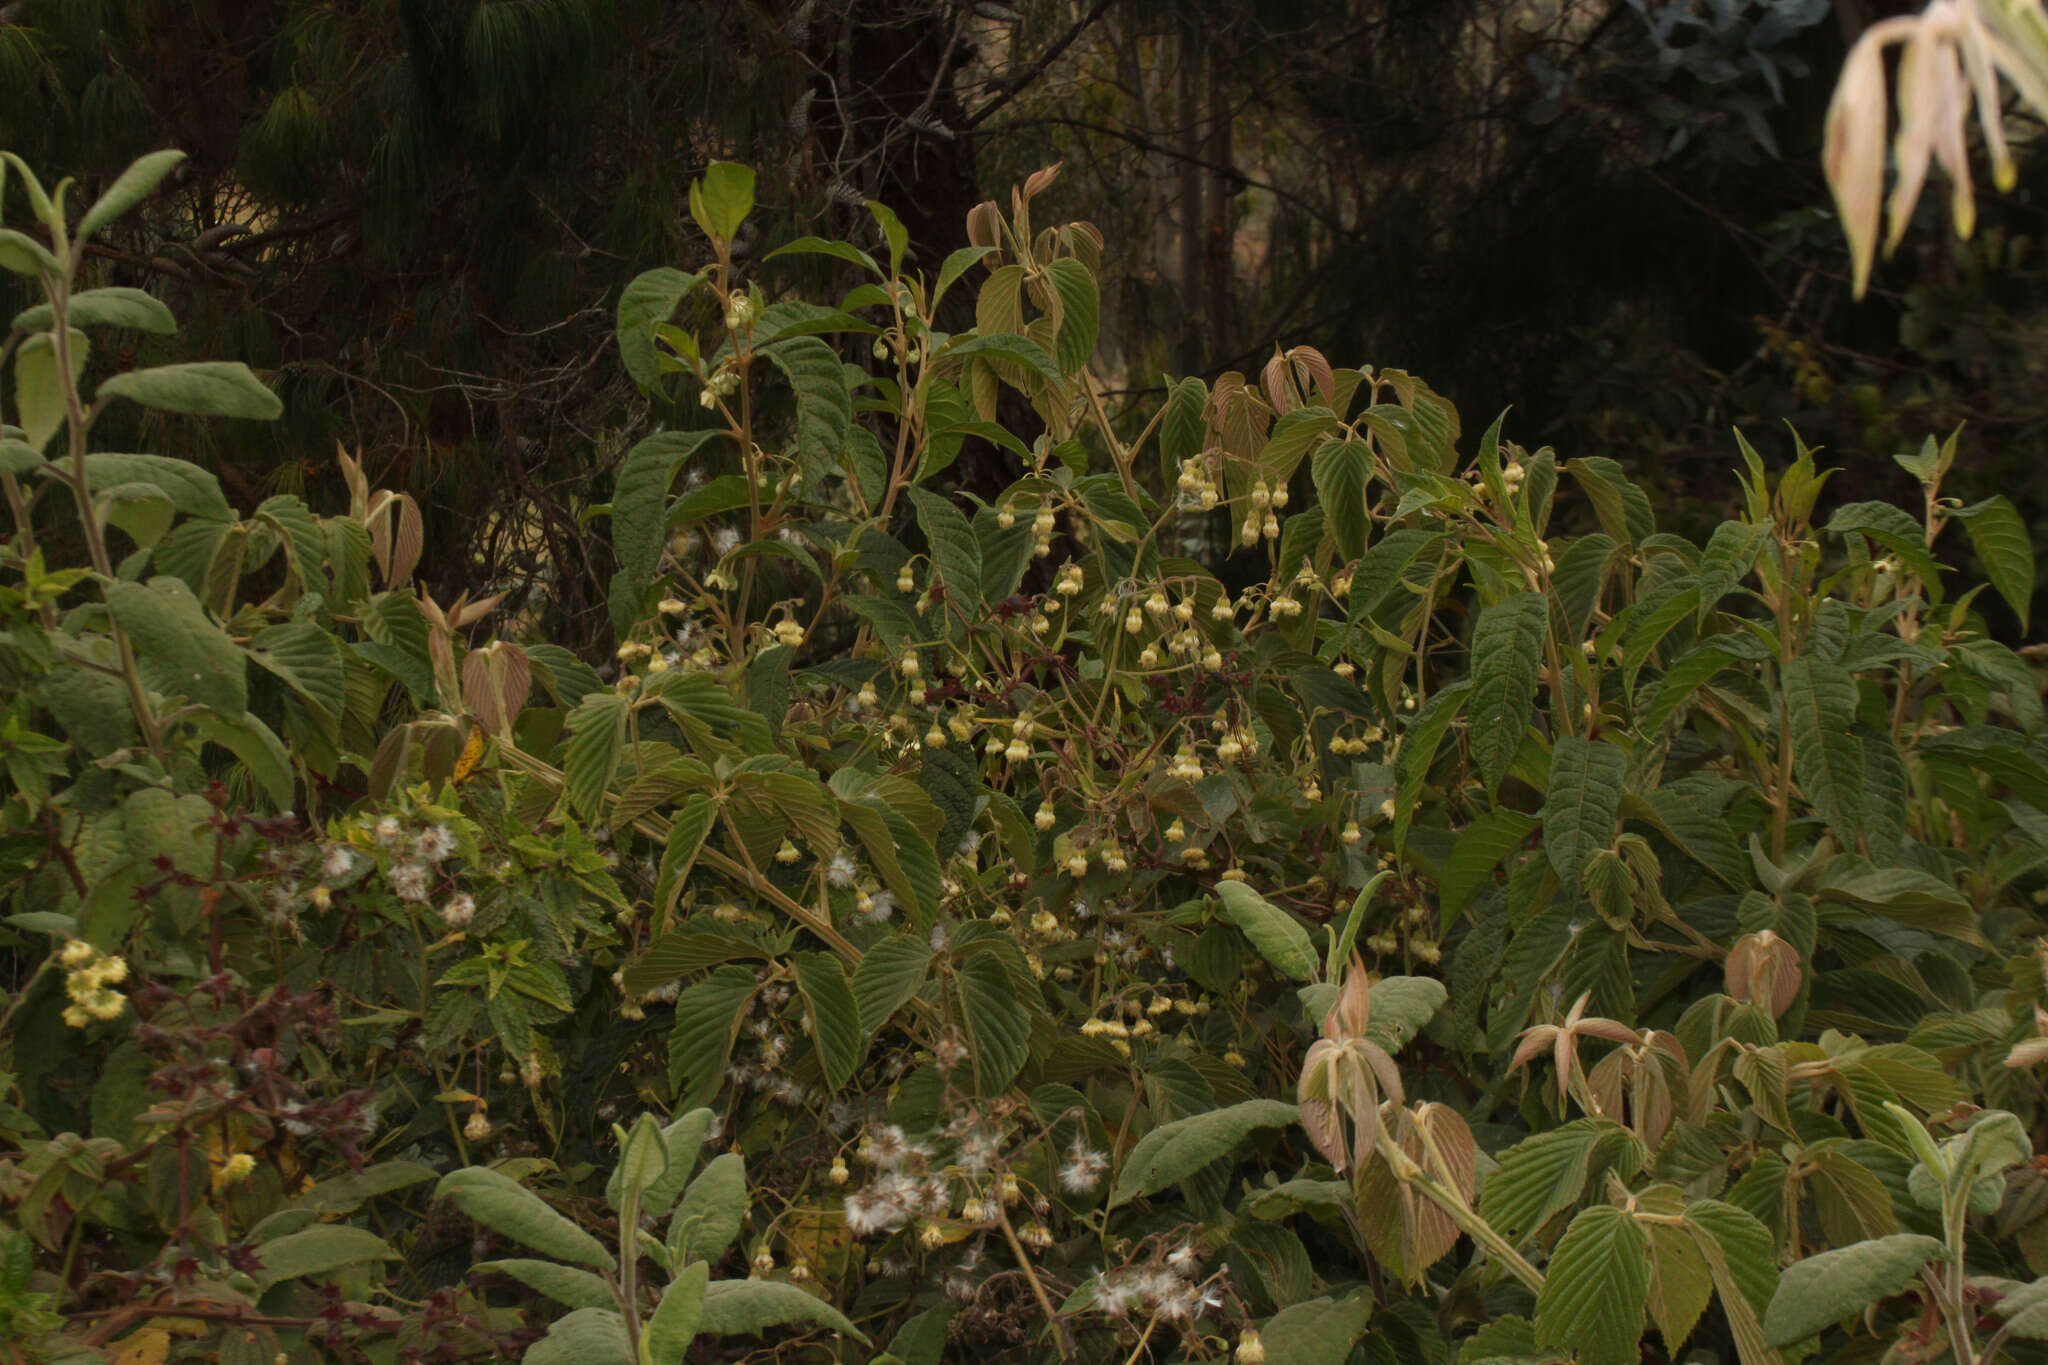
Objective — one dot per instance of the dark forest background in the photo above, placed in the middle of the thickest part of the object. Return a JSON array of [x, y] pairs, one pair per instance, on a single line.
[[414, 217]]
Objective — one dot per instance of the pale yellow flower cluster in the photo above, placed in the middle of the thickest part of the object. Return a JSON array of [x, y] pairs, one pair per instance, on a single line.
[[90, 978]]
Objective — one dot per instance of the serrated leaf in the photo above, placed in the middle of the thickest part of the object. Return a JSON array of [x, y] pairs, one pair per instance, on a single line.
[[318, 1250], [597, 739], [1582, 803], [1544, 1174], [1319, 1331], [1726, 561], [673, 1324], [1341, 470], [891, 971], [1275, 933], [1678, 683], [1892, 528], [181, 651], [1402, 1007], [649, 299], [998, 1027], [749, 1307], [1507, 653], [201, 388], [1010, 346], [835, 1017], [1596, 1288], [708, 1017], [503, 1205], [1479, 850], [1418, 750], [955, 551], [1681, 1285], [566, 1285], [1820, 699], [1080, 313], [1815, 1293], [711, 1212], [2002, 542], [1175, 1151]]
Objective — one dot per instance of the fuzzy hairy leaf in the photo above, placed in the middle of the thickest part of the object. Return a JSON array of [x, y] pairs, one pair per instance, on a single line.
[[1815, 1293], [1274, 932], [750, 1307], [1174, 1151], [503, 1205], [566, 1285]]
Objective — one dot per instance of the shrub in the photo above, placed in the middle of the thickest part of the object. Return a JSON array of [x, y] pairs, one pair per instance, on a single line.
[[1262, 882]]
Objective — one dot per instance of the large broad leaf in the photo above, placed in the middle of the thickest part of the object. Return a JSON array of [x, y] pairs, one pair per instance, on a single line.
[[651, 298], [722, 198], [1080, 312], [953, 547], [317, 1251], [1318, 1332], [824, 405], [112, 307], [130, 188], [1546, 1173], [1401, 1007], [709, 1217], [1894, 529], [1419, 746], [503, 1205], [193, 491], [588, 1336], [203, 388], [998, 1026], [640, 499], [673, 1324], [1174, 1151], [597, 738], [39, 403], [1477, 853], [1596, 1288], [181, 651], [834, 1015], [1274, 932], [1583, 800], [2002, 542], [749, 1307], [890, 972], [565, 1284], [1827, 758], [708, 1017], [1341, 470], [1815, 1293], [1507, 652]]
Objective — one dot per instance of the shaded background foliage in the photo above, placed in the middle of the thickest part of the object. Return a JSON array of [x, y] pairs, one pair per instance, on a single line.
[[416, 215]]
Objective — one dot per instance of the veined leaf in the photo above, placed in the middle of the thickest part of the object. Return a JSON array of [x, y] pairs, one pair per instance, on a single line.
[[1174, 1151], [503, 1205], [1544, 1174], [1318, 1331], [954, 548], [1477, 853], [588, 1336], [1815, 1293], [181, 651], [202, 388], [1820, 699], [1418, 750], [597, 739], [1726, 561], [708, 1017], [1583, 802], [835, 1018], [673, 1324], [748, 1307], [566, 1285], [711, 1212], [318, 1250], [1080, 313], [2002, 542], [890, 973], [998, 1027], [1279, 939], [1507, 652], [1892, 528], [1341, 470], [1596, 1288]]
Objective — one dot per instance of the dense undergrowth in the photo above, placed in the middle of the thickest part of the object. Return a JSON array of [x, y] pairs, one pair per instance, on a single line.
[[951, 930]]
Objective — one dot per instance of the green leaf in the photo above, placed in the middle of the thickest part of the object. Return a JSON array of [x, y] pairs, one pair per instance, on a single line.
[[1892, 528], [673, 1324], [998, 1026], [24, 255], [597, 739], [1317, 1331], [317, 1251], [689, 826], [1080, 313], [1275, 933], [503, 1205], [1477, 853], [112, 307], [307, 659], [346, 1193], [1010, 346], [2002, 542], [1582, 804], [1340, 471], [1726, 561], [566, 1285], [262, 753], [824, 406], [1820, 699], [891, 971], [749, 1307], [1679, 682], [1819, 1291], [1596, 1288], [1419, 746], [1544, 1174], [643, 1160], [130, 188], [1507, 652], [722, 198], [181, 651], [651, 298], [39, 403], [711, 1212], [1401, 1007], [851, 254], [1681, 1284], [203, 388], [1175, 1151], [588, 1336], [835, 1017], [954, 549], [708, 1017]]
